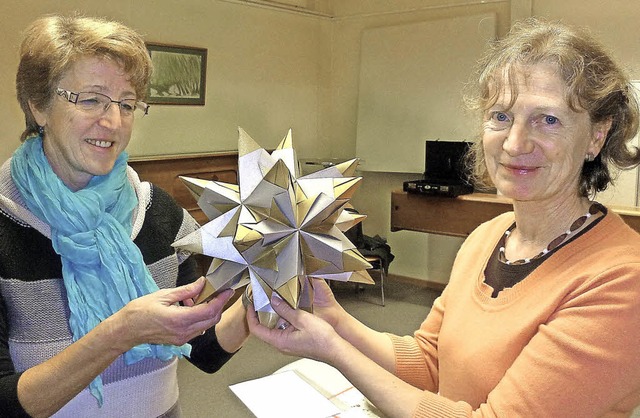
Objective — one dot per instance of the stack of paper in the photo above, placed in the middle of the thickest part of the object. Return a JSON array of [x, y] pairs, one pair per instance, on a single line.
[[304, 388]]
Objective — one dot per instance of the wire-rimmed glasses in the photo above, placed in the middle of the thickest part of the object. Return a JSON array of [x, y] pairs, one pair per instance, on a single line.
[[96, 104]]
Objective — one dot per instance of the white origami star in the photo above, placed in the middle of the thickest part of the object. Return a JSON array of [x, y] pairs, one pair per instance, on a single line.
[[275, 230]]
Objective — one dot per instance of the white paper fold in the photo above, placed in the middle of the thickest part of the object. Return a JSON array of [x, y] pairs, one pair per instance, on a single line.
[[275, 230]]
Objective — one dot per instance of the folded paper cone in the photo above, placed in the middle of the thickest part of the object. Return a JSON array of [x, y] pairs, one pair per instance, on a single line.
[[208, 292], [268, 319]]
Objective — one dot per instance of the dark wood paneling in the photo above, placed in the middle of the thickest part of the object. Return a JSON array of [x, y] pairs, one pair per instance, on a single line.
[[164, 171]]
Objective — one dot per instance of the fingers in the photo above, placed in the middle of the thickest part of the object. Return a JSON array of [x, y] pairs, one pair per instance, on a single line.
[[270, 336], [252, 317], [195, 320], [287, 314], [255, 328], [321, 283], [157, 318], [221, 299], [294, 334], [186, 293], [322, 289], [282, 324], [286, 322], [211, 311]]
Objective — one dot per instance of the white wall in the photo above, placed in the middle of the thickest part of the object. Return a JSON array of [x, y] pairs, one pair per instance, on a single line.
[[264, 69], [411, 80], [267, 71], [270, 70], [418, 255], [427, 256]]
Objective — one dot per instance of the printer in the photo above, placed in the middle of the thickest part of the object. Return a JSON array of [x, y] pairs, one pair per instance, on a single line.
[[444, 171]]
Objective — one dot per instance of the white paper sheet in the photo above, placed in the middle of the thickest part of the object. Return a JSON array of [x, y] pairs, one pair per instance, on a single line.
[[335, 387], [284, 395]]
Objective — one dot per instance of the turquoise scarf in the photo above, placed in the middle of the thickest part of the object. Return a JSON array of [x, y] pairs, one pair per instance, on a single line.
[[102, 268]]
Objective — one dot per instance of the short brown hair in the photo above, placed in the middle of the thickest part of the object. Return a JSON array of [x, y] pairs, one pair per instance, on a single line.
[[52, 44], [594, 83]]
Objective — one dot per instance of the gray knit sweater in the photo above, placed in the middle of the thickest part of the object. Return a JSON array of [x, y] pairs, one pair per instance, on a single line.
[[34, 312]]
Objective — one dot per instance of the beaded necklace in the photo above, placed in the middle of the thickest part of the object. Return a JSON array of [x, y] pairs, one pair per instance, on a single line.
[[594, 209]]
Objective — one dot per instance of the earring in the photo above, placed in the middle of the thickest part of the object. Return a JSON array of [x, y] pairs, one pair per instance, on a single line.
[[589, 158], [40, 130]]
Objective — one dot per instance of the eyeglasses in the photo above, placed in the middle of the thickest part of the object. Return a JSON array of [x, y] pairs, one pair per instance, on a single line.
[[96, 104]]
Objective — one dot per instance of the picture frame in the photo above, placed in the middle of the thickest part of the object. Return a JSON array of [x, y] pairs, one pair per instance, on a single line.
[[179, 75]]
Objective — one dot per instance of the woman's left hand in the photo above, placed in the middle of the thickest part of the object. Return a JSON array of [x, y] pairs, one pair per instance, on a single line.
[[305, 335]]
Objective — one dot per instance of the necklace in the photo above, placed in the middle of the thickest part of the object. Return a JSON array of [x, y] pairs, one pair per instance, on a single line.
[[594, 209]]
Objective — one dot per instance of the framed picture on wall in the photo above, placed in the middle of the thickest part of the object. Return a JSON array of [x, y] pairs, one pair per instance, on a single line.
[[179, 74]]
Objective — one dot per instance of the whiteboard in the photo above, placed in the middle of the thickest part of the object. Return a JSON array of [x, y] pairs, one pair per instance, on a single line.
[[410, 90]]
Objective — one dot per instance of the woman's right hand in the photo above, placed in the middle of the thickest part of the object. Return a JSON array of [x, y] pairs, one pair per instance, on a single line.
[[158, 318]]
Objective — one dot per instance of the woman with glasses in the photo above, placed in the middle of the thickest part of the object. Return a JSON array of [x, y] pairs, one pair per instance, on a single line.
[[96, 305], [541, 315]]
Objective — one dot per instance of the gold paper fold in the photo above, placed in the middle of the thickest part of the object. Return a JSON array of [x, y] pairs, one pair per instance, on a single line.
[[284, 232]]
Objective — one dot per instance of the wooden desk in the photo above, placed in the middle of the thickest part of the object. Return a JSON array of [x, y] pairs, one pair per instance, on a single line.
[[459, 216]]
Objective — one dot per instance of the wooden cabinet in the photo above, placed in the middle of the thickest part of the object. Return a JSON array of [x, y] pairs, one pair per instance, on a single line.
[[461, 215], [164, 171]]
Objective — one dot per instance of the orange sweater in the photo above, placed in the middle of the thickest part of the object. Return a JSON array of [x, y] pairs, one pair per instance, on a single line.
[[564, 342]]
